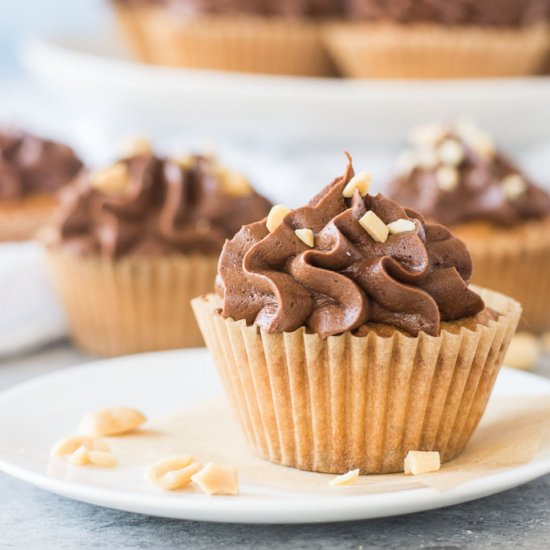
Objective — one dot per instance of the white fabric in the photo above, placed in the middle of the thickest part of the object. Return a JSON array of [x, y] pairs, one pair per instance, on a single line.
[[30, 315]]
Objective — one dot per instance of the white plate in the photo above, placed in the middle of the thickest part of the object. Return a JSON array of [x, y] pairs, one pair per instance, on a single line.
[[288, 109], [36, 413]]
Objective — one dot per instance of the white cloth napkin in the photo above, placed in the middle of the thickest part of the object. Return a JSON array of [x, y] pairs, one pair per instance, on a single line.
[[30, 315]]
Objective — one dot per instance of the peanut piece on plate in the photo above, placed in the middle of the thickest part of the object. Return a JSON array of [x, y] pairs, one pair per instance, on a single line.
[[69, 445], [113, 179], [375, 227], [422, 462], [216, 479], [173, 472], [361, 182], [524, 351], [103, 459], [80, 457], [114, 421], [345, 479], [276, 216], [306, 236], [401, 226]]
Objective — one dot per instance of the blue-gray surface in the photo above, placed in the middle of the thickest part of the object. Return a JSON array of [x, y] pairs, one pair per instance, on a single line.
[[31, 518]]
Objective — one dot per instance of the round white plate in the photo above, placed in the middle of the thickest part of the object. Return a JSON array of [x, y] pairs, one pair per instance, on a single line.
[[280, 109], [37, 413]]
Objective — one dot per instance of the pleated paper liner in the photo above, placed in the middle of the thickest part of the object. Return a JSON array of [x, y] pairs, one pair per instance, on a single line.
[[357, 402], [132, 24], [367, 50], [21, 219], [132, 305], [515, 262], [231, 43]]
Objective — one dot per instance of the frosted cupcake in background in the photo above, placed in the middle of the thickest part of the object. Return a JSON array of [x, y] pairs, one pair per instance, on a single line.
[[441, 38], [134, 242], [453, 174], [267, 36], [346, 334], [32, 170]]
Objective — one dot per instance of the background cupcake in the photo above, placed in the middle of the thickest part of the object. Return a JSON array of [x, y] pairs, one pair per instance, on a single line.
[[441, 39], [32, 169], [452, 173], [346, 334], [273, 36], [136, 241]]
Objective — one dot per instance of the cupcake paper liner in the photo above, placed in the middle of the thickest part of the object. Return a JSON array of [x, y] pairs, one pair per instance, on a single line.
[[131, 23], [517, 263], [131, 305], [230, 43], [20, 220], [357, 402], [366, 50]]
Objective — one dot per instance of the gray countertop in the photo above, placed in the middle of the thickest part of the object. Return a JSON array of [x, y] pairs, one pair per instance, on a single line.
[[31, 518]]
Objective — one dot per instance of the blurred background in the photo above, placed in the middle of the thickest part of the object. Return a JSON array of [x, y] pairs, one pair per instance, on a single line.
[[83, 73]]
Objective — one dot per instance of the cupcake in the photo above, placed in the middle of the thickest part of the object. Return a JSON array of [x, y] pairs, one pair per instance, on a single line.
[[134, 242], [346, 334], [268, 36], [32, 169], [441, 38], [453, 174]]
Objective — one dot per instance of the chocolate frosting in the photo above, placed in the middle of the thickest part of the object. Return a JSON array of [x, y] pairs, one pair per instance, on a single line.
[[29, 164], [448, 12], [413, 281], [481, 192], [282, 8], [452, 12], [167, 207]]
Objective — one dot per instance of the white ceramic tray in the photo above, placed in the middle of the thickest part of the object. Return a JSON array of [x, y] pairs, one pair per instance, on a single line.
[[263, 108]]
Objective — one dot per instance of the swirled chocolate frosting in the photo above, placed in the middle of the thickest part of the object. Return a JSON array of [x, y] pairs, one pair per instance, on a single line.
[[281, 8], [448, 12], [29, 164], [507, 13], [150, 205], [412, 281], [453, 174]]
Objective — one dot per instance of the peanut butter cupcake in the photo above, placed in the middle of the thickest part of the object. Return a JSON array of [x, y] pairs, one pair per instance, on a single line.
[[453, 174], [441, 38], [32, 170], [268, 36], [346, 334], [136, 241]]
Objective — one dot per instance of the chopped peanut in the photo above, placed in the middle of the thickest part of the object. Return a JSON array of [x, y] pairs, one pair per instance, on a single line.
[[69, 445], [173, 472], [215, 479], [276, 216], [401, 226], [422, 462], [345, 479], [113, 421], [375, 227], [306, 236], [361, 182]]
